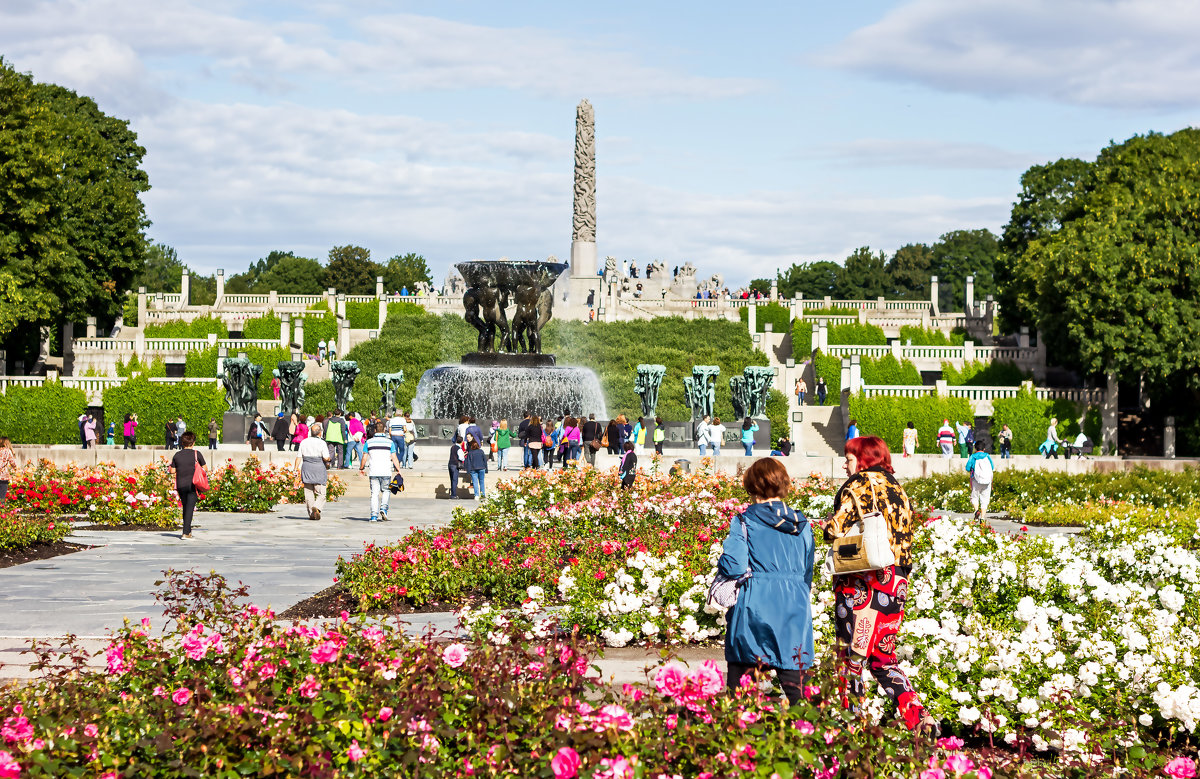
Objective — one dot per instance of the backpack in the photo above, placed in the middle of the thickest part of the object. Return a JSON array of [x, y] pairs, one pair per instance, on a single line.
[[982, 472], [970, 437]]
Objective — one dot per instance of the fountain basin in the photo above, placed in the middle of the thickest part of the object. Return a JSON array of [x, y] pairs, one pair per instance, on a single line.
[[505, 392]]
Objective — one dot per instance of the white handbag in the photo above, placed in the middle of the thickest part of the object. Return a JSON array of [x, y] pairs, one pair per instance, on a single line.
[[868, 547], [723, 591]]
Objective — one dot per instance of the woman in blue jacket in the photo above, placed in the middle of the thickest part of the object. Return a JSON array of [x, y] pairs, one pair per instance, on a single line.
[[749, 428], [477, 467], [770, 626]]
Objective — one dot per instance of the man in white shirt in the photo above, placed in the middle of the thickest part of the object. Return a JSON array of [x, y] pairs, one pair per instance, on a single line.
[[312, 460], [716, 436], [702, 436], [380, 457], [397, 426]]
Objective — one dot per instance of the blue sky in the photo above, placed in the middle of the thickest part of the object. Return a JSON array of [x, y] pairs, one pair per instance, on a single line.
[[740, 139]]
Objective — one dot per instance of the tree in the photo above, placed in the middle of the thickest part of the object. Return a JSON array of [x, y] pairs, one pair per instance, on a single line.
[[405, 270], [17, 306], [291, 275], [71, 217], [761, 285], [909, 271], [351, 271], [248, 282], [813, 280], [863, 276], [1048, 199], [162, 270], [959, 254]]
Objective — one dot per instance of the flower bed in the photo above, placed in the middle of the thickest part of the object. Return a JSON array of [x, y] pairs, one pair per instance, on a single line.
[[18, 531], [1002, 632], [104, 495], [1017, 490], [226, 691], [1181, 524]]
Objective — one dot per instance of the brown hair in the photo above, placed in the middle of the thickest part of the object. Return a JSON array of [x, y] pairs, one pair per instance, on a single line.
[[767, 478]]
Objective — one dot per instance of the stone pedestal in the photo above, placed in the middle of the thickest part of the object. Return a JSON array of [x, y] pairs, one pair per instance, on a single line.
[[583, 259], [234, 428]]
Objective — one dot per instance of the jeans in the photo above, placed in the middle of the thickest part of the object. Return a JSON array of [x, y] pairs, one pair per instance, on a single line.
[[379, 495], [401, 448], [576, 451], [502, 458], [526, 460], [410, 451], [801, 398], [749, 447], [3, 492], [477, 483], [453, 481], [703, 449], [351, 450], [1005, 450], [335, 454], [188, 498], [212, 443], [716, 450]]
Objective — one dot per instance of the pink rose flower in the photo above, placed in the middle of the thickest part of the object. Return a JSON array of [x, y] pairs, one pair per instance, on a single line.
[[805, 727], [950, 742], [455, 655], [355, 752], [933, 773], [325, 652], [565, 763], [958, 764], [1180, 768], [310, 687], [91, 731], [181, 696], [669, 679], [385, 713], [10, 769], [708, 679], [613, 716]]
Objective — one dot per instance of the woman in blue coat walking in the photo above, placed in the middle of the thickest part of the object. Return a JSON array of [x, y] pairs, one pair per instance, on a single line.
[[770, 626]]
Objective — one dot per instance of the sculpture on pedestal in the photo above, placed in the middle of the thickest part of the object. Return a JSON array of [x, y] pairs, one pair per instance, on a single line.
[[493, 285], [389, 385], [701, 390], [758, 388], [344, 373], [583, 222], [241, 385], [649, 378], [737, 396], [485, 302], [291, 385]]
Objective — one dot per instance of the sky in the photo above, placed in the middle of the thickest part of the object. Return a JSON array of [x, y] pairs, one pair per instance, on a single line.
[[741, 139]]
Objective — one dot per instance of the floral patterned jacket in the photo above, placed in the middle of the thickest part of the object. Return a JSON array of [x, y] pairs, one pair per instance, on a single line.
[[873, 489]]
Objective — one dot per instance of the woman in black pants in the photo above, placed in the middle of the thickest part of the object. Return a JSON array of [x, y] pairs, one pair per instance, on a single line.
[[183, 465]]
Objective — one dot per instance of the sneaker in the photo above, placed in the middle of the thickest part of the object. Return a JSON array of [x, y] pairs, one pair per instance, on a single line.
[[317, 514], [186, 535], [373, 518], [978, 515], [383, 516]]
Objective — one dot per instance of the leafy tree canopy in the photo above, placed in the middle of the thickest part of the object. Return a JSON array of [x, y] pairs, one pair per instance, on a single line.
[[405, 270], [863, 276], [292, 275], [162, 270], [351, 271], [812, 279], [71, 216], [959, 254], [908, 272]]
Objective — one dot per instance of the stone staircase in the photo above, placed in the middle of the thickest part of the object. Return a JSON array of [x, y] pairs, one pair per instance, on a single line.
[[821, 432]]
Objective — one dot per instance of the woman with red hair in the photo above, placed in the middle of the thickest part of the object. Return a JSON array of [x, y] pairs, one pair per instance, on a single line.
[[870, 605]]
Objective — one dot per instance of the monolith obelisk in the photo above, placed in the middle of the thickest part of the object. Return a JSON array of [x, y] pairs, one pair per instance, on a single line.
[[583, 223]]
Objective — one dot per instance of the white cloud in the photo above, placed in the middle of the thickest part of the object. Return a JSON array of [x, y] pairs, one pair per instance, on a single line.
[[1107, 53], [926, 154]]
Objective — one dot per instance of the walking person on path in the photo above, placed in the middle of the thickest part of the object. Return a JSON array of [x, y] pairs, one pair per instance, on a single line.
[[639, 437], [945, 438], [111, 437], [716, 436], [130, 431], [169, 433], [749, 428], [870, 604], [660, 435], [822, 391], [257, 434], [535, 436], [299, 432], [410, 441], [477, 466], [910, 440], [593, 434], [8, 464], [613, 434], [396, 427], [1006, 437], [1049, 447], [573, 436], [213, 432], [320, 352], [702, 436], [770, 625], [276, 387], [628, 469], [455, 465], [982, 469], [280, 432], [962, 429], [89, 432], [183, 465], [358, 435], [313, 464], [180, 429], [503, 444], [801, 391], [379, 462], [523, 438], [336, 434]]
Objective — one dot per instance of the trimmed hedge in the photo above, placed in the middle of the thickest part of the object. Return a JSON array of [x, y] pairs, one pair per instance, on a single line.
[[201, 327], [363, 315], [154, 403], [45, 414], [921, 336], [1029, 419], [157, 368], [779, 316], [262, 327], [888, 417], [984, 374], [855, 334], [318, 327], [889, 370], [829, 367]]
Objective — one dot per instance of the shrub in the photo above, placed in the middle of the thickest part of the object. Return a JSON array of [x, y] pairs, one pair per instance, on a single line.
[[887, 370], [855, 334], [202, 364], [364, 315], [47, 414], [322, 327], [802, 338], [1029, 418], [778, 315], [888, 417], [829, 367], [201, 327], [156, 369], [262, 327], [831, 311], [921, 336], [984, 374], [155, 402], [18, 531]]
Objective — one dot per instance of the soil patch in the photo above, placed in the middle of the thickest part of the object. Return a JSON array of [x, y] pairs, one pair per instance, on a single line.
[[129, 527], [332, 601], [29, 554]]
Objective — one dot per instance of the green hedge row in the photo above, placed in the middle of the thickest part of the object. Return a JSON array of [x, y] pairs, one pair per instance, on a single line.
[[154, 403], [829, 367], [888, 370], [323, 327], [984, 374], [363, 315], [201, 327], [155, 368], [41, 415], [778, 315], [262, 327], [888, 417], [1029, 419], [920, 336], [855, 334]]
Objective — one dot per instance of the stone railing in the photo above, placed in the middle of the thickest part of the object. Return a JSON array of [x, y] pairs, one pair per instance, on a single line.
[[247, 300], [981, 398], [92, 386]]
